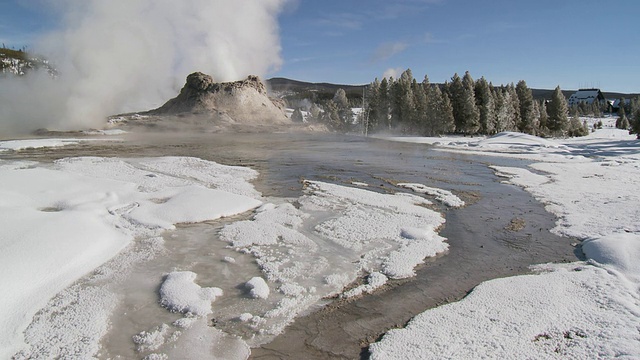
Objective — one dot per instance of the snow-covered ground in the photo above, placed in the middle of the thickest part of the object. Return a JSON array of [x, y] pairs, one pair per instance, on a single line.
[[69, 228], [582, 310]]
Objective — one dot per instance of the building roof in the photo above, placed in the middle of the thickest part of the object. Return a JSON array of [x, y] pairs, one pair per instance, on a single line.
[[586, 96]]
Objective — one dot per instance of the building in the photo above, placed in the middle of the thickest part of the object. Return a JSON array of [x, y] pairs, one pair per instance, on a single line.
[[587, 96]]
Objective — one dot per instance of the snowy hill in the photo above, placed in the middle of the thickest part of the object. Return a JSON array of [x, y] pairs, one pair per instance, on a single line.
[[18, 62]]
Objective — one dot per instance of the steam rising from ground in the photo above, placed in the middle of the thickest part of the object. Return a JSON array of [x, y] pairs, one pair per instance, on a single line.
[[119, 56]]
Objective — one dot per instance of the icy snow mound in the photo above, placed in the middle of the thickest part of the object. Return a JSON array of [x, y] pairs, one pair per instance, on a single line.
[[507, 139], [526, 317], [258, 288], [181, 294], [620, 251]]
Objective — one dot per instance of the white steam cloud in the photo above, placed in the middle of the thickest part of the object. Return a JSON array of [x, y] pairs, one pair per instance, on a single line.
[[118, 56]]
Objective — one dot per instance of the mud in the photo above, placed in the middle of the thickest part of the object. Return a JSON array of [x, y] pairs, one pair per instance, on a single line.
[[484, 243]]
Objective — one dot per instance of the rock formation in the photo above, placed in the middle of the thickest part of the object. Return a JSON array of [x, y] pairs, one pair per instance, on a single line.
[[240, 102]]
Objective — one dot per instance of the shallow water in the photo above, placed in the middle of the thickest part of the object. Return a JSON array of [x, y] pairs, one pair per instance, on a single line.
[[481, 248]]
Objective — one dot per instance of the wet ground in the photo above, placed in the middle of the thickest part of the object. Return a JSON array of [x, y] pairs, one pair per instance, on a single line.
[[500, 233]]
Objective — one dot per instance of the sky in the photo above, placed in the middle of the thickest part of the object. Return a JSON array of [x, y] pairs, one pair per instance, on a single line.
[[570, 43]]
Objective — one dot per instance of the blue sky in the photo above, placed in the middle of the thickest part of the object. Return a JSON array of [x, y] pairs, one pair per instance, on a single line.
[[571, 43]]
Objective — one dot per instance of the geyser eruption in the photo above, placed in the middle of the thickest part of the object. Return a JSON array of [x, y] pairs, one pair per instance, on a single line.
[[117, 56]]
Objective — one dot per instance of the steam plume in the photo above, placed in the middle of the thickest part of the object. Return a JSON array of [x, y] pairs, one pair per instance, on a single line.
[[117, 56]]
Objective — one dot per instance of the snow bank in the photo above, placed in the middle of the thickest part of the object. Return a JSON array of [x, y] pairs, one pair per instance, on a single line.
[[180, 293], [509, 140], [581, 310], [35, 143], [444, 196], [565, 312], [59, 221], [258, 288], [620, 251]]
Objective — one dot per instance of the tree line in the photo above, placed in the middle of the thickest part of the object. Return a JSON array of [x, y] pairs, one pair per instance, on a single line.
[[462, 106], [465, 106]]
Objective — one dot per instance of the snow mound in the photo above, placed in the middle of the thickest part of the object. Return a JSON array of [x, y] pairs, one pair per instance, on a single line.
[[180, 293], [509, 139], [526, 317], [620, 251], [258, 288]]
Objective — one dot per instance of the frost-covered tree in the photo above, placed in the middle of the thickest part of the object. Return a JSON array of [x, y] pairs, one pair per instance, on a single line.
[[527, 121], [622, 123], [486, 106], [470, 111], [372, 106], [542, 123], [439, 113], [577, 128], [420, 112], [635, 124], [403, 103], [558, 113], [314, 113], [384, 104], [297, 116], [345, 114]]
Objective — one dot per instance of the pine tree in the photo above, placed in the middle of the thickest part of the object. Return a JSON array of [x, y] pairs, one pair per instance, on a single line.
[[420, 112], [297, 116], [486, 106], [383, 111], [635, 124], [527, 120], [372, 107], [558, 111], [439, 113], [515, 108], [314, 113], [331, 116], [542, 127], [455, 91], [576, 128], [345, 114], [470, 113], [405, 106]]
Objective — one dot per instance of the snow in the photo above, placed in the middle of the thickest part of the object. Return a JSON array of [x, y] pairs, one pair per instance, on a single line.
[[587, 309], [565, 311], [180, 293], [65, 219], [258, 288], [332, 236], [35, 143], [62, 220], [444, 196]]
